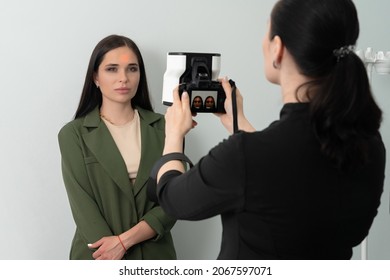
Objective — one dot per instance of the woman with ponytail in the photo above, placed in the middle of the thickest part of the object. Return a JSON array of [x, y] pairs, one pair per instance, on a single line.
[[309, 185]]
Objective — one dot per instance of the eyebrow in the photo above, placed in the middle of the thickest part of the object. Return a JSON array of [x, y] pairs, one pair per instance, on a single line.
[[116, 64]]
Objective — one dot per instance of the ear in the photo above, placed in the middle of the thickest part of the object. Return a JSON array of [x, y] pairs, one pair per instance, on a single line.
[[96, 79], [277, 49]]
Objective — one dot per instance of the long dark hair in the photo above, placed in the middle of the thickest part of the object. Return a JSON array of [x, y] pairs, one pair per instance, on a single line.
[[91, 96], [344, 113]]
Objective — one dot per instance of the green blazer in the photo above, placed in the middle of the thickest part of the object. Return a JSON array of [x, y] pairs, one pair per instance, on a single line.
[[102, 198]]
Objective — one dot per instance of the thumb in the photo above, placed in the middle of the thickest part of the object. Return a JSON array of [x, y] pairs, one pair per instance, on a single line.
[[185, 99], [227, 87], [176, 94]]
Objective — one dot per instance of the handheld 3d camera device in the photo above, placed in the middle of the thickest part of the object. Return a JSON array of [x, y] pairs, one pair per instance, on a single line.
[[196, 73]]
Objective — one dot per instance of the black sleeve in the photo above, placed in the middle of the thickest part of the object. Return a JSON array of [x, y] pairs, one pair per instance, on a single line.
[[215, 185]]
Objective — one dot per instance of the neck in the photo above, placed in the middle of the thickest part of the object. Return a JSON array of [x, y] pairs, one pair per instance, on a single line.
[[292, 89], [117, 114], [291, 81]]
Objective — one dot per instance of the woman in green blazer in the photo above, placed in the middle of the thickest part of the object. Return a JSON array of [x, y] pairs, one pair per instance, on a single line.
[[107, 153]]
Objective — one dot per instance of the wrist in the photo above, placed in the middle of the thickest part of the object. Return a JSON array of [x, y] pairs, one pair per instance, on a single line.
[[127, 239], [173, 144], [245, 125], [121, 243]]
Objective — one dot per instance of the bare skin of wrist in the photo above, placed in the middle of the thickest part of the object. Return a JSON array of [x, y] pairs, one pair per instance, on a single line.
[[110, 248], [227, 119], [140, 232]]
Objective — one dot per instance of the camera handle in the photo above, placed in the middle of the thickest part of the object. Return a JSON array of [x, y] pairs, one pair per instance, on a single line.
[[234, 106]]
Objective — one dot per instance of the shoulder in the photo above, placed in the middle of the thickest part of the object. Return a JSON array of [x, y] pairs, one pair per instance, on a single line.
[[71, 126], [71, 130], [81, 125], [151, 118]]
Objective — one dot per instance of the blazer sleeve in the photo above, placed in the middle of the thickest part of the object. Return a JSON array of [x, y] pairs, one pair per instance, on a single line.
[[90, 223], [159, 221]]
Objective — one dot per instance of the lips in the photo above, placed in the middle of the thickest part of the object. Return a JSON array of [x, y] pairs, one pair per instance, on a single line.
[[122, 90]]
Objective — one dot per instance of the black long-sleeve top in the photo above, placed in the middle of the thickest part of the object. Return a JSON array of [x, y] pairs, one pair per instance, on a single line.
[[278, 196]]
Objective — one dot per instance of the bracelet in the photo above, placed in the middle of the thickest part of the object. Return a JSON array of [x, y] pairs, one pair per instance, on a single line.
[[124, 248]]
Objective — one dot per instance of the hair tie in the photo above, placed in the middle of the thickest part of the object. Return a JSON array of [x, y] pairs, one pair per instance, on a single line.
[[343, 51]]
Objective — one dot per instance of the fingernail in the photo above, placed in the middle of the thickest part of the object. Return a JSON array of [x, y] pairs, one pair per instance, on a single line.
[[89, 245], [226, 78]]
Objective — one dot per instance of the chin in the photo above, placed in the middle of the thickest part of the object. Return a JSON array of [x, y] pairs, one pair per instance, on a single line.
[[272, 80]]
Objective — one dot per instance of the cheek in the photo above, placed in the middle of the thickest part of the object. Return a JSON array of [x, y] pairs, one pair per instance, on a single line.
[[266, 63], [266, 71], [264, 45], [102, 78], [269, 71], [135, 77]]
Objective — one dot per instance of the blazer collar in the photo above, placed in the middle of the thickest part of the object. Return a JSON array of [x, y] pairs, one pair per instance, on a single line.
[[92, 119], [102, 145]]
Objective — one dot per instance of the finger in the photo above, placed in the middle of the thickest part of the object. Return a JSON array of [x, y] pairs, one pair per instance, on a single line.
[[185, 101], [176, 96], [226, 87], [96, 255], [99, 258], [95, 245]]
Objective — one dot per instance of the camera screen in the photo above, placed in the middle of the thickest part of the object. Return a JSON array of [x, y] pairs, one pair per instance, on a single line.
[[204, 100]]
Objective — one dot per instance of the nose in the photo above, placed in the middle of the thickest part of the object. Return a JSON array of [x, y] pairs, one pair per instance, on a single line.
[[123, 77]]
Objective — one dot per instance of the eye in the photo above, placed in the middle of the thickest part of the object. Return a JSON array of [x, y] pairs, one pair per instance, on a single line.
[[111, 69], [133, 68]]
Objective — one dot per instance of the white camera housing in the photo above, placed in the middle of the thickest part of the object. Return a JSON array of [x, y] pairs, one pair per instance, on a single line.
[[179, 63]]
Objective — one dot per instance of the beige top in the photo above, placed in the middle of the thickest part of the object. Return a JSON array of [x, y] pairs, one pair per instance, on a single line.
[[127, 138]]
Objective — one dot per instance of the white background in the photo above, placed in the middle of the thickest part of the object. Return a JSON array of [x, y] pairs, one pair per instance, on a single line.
[[44, 51]]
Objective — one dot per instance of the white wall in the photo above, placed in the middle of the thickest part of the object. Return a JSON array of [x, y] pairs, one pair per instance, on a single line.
[[44, 51], [374, 23]]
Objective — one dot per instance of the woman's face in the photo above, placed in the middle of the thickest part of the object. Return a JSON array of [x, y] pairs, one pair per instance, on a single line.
[[197, 102], [209, 103], [118, 75]]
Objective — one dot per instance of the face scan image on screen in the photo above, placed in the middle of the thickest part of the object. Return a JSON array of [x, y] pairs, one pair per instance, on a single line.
[[203, 101]]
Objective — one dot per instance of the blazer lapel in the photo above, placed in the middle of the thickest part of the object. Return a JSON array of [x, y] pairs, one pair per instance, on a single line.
[[151, 147], [102, 145]]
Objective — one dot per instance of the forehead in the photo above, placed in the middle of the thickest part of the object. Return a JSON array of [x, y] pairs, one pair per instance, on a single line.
[[121, 55]]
